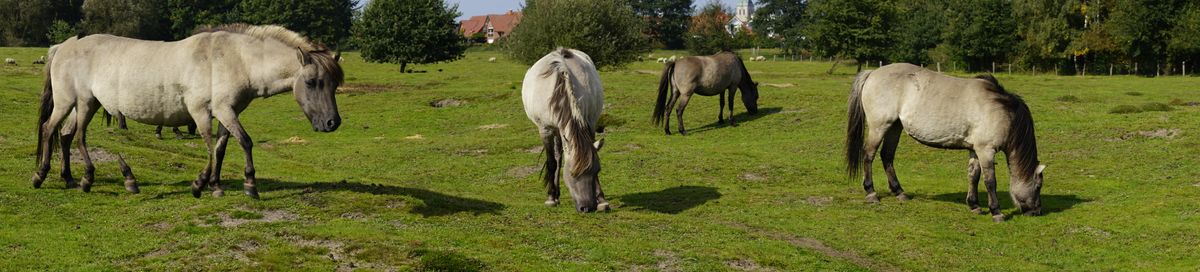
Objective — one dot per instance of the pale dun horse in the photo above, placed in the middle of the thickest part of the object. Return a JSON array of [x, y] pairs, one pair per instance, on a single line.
[[214, 73], [563, 97], [975, 114]]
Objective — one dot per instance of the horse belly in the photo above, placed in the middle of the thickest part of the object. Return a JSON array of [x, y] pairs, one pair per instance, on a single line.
[[941, 134], [156, 106]]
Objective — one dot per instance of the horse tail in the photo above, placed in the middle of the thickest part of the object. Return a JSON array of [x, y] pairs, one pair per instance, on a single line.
[[47, 106], [854, 125], [664, 87]]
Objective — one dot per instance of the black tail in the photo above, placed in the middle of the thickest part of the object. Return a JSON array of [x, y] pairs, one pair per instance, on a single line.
[[664, 87], [854, 126], [44, 111]]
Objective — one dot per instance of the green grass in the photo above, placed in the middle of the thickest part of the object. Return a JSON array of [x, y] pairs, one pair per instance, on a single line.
[[770, 193]]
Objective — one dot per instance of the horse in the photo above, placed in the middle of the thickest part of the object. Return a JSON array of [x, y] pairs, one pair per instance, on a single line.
[[707, 76], [941, 111], [563, 97], [10, 61], [216, 72]]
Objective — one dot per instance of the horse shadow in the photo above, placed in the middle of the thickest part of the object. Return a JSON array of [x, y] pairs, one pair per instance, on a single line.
[[745, 116], [1050, 203], [671, 200], [436, 204]]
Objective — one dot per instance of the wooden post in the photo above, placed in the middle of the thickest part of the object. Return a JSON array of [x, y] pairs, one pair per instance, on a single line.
[[939, 65], [993, 67], [1110, 69], [1185, 68], [1135, 68], [1010, 68], [881, 63]]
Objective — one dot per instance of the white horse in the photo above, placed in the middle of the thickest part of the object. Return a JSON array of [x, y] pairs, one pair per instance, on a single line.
[[215, 73], [941, 111], [563, 97]]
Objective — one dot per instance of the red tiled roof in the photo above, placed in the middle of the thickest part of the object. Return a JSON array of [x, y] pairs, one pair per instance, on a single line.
[[474, 25], [506, 22], [501, 23]]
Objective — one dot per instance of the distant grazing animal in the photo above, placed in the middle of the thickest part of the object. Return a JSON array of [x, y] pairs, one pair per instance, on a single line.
[[493, 59], [563, 97], [672, 58], [704, 75], [941, 111], [10, 61], [214, 73], [661, 60], [40, 60], [759, 58]]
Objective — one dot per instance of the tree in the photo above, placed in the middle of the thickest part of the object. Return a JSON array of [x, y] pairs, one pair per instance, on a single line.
[[26, 22], [607, 30], [61, 31], [782, 20], [857, 29], [919, 31], [709, 32], [141, 19], [323, 21], [1184, 44], [981, 32], [409, 31], [667, 20], [187, 15], [1139, 28]]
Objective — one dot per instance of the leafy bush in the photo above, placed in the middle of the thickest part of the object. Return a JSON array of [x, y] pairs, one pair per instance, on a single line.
[[409, 31], [708, 35], [61, 31], [607, 30]]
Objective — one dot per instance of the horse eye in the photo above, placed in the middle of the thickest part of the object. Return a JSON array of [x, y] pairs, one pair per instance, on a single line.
[[310, 82]]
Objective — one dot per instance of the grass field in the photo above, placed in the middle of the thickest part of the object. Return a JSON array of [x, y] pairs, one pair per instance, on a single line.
[[406, 186]]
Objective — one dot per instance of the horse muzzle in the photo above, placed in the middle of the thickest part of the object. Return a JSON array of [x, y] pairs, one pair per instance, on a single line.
[[328, 124]]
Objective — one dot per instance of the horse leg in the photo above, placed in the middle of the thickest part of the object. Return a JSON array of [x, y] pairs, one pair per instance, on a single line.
[[973, 187], [988, 166], [683, 101], [601, 203], [721, 110], [551, 147], [66, 135], [158, 132], [179, 134], [732, 93], [214, 181], [83, 115], [874, 137], [121, 122], [670, 107], [202, 118], [891, 140], [229, 120]]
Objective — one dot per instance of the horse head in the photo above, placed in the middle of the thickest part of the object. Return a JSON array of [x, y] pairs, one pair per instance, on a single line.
[[315, 86]]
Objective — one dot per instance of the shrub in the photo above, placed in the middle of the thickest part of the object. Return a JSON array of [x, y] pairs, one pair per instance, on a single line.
[[607, 30], [1155, 106]]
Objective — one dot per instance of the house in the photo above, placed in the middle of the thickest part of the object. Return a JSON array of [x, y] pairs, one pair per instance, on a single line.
[[493, 26], [743, 16]]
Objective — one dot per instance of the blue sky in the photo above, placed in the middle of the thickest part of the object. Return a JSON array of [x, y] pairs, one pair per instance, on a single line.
[[470, 8]]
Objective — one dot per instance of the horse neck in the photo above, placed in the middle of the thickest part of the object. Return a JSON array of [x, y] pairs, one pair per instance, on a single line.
[[275, 69]]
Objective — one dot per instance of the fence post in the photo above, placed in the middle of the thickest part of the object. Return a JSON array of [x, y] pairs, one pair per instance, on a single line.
[[993, 67], [1135, 68], [1185, 68], [939, 65], [1010, 68], [1110, 69]]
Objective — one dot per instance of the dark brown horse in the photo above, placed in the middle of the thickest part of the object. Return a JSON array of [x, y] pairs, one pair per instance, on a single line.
[[708, 76]]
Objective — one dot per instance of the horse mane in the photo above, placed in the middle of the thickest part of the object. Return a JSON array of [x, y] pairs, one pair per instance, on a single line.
[[1021, 143], [320, 54], [575, 129], [745, 73]]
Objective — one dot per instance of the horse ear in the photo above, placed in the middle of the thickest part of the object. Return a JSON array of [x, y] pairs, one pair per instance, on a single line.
[[1040, 168], [599, 144], [337, 57], [305, 59]]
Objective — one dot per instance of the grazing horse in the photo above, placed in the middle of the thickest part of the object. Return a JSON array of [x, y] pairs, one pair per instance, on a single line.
[[214, 73], [563, 97], [704, 75], [941, 111]]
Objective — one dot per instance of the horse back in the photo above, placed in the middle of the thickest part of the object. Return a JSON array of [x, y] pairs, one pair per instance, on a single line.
[[935, 109], [707, 75]]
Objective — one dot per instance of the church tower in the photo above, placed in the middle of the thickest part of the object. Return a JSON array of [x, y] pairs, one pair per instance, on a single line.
[[745, 11]]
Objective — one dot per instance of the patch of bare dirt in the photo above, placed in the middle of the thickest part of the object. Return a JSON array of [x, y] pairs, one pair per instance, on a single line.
[[364, 88], [746, 265], [816, 245], [667, 260], [471, 152], [648, 72], [267, 216], [748, 176], [521, 172], [493, 126], [533, 150], [448, 102], [354, 215], [295, 140], [1090, 231], [819, 201], [242, 251], [339, 253], [415, 137], [779, 85], [98, 155], [1160, 133]]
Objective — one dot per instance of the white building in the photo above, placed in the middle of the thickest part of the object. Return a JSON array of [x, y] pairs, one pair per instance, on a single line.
[[743, 15]]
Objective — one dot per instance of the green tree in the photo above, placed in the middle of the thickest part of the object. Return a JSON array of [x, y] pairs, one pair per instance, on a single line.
[[667, 20], [187, 15], [782, 20], [709, 32], [1184, 44], [981, 32], [856, 29], [607, 30], [26, 22], [1047, 31], [1140, 29], [61, 31], [918, 31], [142, 19], [409, 31], [323, 21]]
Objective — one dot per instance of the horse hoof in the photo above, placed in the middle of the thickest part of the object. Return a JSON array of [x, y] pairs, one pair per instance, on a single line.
[[977, 211], [684, 133], [603, 207], [86, 185], [871, 198], [252, 193], [195, 191], [218, 193], [37, 181], [998, 218], [551, 203], [902, 197], [133, 189]]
